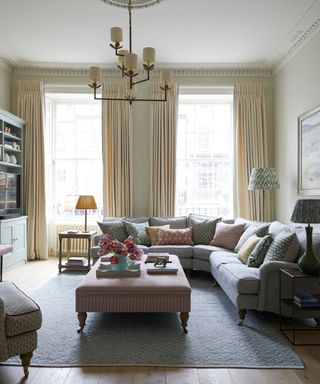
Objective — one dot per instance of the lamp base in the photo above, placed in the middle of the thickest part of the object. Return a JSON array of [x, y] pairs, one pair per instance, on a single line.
[[309, 263]]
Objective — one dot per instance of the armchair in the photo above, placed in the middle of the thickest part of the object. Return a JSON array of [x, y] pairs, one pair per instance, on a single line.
[[20, 317]]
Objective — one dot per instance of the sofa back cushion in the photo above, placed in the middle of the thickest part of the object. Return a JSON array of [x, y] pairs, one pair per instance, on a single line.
[[259, 252], [247, 248], [285, 246], [259, 229], [153, 232], [174, 222], [175, 236], [203, 228], [227, 235]]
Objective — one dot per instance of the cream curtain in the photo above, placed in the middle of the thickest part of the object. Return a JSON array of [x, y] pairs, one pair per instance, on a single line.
[[30, 107], [251, 150], [117, 153], [163, 153]]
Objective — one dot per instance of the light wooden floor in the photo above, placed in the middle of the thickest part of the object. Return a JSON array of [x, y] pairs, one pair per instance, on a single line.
[[31, 276]]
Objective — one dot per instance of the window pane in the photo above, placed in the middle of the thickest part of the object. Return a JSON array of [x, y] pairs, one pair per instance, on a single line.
[[74, 161], [205, 155]]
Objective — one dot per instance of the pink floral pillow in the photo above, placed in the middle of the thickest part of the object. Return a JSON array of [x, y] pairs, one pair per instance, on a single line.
[[175, 236]]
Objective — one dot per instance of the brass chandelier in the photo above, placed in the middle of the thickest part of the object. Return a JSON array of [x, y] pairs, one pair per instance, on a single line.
[[128, 61]]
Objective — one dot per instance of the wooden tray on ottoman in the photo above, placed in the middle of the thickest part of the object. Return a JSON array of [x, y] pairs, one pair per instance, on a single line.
[[147, 293]]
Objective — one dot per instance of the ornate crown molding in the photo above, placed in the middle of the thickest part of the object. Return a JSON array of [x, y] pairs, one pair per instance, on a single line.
[[6, 63], [301, 33], [177, 72]]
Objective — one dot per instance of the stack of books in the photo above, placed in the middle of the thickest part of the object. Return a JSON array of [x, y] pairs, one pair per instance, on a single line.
[[307, 300], [75, 261]]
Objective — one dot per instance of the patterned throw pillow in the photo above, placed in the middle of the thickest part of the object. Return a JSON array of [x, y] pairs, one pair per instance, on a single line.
[[175, 236], [285, 247], [203, 228], [116, 229], [254, 229], [138, 232], [247, 248], [259, 253], [227, 235], [153, 232]]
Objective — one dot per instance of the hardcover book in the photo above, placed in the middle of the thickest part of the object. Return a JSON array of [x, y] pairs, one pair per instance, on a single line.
[[169, 268]]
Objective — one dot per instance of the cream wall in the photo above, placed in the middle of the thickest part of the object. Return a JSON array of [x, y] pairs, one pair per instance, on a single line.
[[297, 90], [5, 90], [141, 115]]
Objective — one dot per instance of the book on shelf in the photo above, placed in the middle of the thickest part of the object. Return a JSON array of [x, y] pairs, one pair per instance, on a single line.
[[306, 300], [169, 268], [76, 261]]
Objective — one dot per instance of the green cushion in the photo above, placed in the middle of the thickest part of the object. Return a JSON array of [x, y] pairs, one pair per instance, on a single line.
[[203, 228], [138, 232], [259, 253], [116, 229], [174, 222]]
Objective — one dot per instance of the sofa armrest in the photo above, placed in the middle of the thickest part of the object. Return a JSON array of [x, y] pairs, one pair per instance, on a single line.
[[269, 284], [96, 239]]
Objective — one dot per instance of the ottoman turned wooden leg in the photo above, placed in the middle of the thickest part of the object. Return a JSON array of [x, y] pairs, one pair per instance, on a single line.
[[184, 317], [82, 316]]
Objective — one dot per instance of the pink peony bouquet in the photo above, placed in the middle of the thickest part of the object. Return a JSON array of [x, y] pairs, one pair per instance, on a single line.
[[127, 248]]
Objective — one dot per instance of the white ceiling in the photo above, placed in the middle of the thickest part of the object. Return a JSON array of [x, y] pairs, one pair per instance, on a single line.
[[185, 33]]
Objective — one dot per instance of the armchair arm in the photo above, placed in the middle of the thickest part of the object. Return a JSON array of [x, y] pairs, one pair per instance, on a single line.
[[3, 338]]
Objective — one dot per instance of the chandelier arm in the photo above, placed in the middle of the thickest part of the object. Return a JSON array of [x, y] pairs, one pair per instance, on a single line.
[[143, 80]]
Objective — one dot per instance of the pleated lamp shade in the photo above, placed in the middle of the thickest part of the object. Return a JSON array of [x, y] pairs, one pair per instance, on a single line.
[[86, 202], [263, 178]]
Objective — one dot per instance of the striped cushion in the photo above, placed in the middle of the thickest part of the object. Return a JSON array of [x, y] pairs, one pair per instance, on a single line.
[[227, 235]]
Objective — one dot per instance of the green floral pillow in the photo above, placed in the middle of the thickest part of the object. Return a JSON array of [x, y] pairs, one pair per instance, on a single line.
[[138, 232]]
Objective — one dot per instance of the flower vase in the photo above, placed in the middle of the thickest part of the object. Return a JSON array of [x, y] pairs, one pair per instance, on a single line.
[[121, 265]]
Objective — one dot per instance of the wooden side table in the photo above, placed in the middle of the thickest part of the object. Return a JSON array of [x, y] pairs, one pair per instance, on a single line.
[[78, 235]]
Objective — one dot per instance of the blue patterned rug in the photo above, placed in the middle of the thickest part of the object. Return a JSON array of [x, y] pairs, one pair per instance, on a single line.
[[153, 339]]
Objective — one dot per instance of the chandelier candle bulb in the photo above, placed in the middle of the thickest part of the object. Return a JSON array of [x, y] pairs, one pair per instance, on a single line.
[[131, 61], [122, 53], [116, 34], [166, 76], [149, 55], [95, 74]]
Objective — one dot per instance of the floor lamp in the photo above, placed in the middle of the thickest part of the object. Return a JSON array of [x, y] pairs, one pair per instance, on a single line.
[[264, 179], [86, 202]]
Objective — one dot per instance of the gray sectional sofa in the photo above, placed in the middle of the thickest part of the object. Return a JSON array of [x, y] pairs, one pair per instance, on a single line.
[[246, 286]]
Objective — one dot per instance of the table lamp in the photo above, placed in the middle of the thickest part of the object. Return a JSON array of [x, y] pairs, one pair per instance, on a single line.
[[86, 202], [264, 179], [308, 211]]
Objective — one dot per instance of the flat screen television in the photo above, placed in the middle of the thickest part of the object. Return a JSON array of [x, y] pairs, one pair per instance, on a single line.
[[9, 195]]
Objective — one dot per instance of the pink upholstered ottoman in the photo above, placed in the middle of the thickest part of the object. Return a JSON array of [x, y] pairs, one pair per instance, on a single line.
[[147, 293]]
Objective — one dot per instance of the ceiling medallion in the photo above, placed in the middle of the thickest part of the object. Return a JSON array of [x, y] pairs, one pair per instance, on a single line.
[[135, 3]]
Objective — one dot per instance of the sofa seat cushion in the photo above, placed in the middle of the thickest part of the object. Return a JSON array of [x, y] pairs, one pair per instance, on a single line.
[[22, 314], [182, 251], [203, 252], [223, 257], [240, 278]]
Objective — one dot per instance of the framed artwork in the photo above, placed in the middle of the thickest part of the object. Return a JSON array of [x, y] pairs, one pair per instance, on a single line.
[[309, 152]]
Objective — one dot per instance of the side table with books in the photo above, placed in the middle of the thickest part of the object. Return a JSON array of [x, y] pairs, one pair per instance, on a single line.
[[75, 262], [304, 303]]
